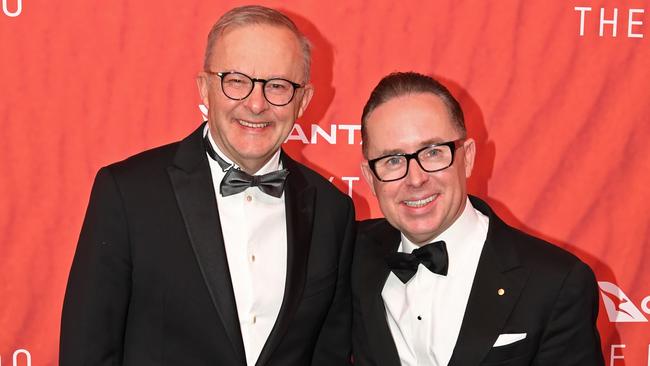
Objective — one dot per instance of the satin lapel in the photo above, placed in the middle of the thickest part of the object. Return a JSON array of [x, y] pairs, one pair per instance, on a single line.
[[488, 308], [380, 241], [299, 202], [192, 183]]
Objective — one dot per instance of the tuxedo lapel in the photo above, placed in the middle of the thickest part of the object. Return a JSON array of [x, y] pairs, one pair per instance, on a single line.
[[299, 201], [380, 243], [192, 183], [497, 285]]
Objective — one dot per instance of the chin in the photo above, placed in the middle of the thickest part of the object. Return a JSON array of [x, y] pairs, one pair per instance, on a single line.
[[419, 234]]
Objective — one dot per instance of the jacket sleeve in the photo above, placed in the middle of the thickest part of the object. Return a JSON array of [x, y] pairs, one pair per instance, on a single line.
[[571, 336], [99, 285], [334, 345]]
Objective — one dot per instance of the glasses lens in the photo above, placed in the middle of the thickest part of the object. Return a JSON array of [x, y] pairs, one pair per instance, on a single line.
[[391, 167], [435, 158], [236, 85], [430, 159], [278, 91]]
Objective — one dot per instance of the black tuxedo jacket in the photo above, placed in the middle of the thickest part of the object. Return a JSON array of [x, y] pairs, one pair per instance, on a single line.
[[150, 283], [549, 294]]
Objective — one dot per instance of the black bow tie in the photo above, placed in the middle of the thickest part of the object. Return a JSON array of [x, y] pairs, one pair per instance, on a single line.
[[433, 256], [237, 180]]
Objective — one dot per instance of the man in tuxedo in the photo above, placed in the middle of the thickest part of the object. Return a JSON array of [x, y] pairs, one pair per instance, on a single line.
[[442, 280], [219, 249]]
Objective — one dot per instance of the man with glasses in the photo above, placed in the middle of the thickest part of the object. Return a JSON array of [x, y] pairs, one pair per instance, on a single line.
[[219, 249], [442, 280]]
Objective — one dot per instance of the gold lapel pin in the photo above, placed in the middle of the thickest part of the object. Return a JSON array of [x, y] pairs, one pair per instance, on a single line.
[[501, 292]]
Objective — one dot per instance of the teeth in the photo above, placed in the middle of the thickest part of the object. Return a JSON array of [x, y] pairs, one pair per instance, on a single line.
[[419, 203], [253, 125]]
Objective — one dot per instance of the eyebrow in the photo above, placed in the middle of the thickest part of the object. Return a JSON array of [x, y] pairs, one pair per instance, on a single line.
[[433, 141], [273, 76]]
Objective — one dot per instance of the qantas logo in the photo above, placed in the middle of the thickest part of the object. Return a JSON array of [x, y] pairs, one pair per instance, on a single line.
[[619, 307]]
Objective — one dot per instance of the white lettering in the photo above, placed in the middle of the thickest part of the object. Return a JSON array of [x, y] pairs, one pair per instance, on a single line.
[[19, 8], [582, 10], [631, 22], [316, 130], [300, 134], [645, 305], [350, 180], [350, 129], [604, 21], [319, 134], [613, 356], [634, 22], [28, 357]]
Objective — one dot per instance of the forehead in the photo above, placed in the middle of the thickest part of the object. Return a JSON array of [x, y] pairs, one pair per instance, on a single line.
[[259, 50], [407, 122]]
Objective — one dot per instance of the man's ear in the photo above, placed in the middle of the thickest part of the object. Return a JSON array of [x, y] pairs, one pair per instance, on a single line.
[[306, 98], [470, 153], [368, 175], [202, 84]]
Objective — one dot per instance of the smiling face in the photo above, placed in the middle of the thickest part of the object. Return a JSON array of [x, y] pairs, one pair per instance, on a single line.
[[251, 130], [421, 205]]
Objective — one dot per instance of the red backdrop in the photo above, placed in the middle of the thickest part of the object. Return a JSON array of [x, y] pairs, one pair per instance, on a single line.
[[559, 111]]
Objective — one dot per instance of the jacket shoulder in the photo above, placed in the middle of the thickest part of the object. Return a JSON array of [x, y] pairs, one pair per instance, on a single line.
[[530, 249], [156, 158], [536, 250], [548, 262]]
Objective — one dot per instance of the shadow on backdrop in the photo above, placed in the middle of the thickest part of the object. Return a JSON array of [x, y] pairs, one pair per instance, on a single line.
[[322, 66]]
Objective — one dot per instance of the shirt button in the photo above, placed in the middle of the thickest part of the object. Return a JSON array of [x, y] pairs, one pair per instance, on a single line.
[[249, 198], [419, 317], [254, 319], [253, 258]]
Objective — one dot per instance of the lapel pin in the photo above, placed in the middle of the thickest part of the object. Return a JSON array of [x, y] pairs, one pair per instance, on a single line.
[[501, 292]]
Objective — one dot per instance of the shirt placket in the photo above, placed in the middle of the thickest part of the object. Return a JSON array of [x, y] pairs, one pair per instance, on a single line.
[[420, 316]]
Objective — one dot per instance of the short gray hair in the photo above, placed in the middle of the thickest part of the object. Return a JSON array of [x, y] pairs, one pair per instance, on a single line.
[[255, 14]]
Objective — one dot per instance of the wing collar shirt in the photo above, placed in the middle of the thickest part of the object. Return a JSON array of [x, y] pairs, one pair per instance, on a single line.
[[255, 235], [425, 314]]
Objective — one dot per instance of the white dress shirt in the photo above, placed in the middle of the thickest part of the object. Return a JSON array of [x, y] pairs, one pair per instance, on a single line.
[[425, 314], [255, 235]]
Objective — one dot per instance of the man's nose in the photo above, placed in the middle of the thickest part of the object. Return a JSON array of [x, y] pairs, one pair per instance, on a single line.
[[256, 101], [415, 175]]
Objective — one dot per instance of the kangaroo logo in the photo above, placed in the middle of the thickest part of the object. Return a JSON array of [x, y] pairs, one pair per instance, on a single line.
[[619, 307]]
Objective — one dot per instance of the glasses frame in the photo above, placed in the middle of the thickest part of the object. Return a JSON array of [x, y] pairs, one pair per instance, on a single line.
[[223, 74], [453, 146]]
